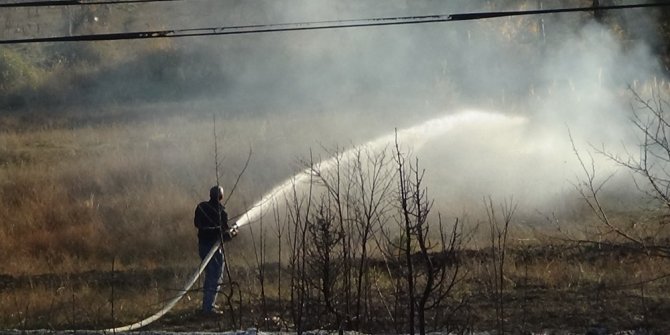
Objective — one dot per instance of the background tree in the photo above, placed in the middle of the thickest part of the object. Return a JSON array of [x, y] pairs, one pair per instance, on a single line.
[[429, 264], [650, 168]]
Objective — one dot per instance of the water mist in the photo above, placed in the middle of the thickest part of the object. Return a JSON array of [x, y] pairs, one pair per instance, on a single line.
[[417, 137]]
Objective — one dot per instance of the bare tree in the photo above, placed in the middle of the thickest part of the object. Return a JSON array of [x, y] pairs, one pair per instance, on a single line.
[[408, 211], [280, 231], [324, 251], [260, 256], [351, 199], [651, 171], [297, 211], [373, 178], [355, 186], [429, 276], [333, 178], [498, 238], [650, 118]]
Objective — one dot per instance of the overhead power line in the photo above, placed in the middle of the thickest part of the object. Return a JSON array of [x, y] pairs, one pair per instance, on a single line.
[[56, 3], [488, 15], [317, 25]]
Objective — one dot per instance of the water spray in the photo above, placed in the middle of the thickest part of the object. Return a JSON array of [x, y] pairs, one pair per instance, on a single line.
[[418, 135]]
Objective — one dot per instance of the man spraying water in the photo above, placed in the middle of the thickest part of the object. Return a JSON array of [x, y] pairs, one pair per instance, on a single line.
[[211, 220]]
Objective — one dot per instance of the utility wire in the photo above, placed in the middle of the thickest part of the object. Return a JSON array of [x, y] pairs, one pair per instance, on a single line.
[[52, 3], [488, 15], [317, 25]]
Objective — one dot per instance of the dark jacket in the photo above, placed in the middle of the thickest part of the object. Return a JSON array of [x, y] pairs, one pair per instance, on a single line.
[[211, 219]]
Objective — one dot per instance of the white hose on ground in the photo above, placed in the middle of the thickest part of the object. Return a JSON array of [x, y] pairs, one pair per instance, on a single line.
[[172, 302]]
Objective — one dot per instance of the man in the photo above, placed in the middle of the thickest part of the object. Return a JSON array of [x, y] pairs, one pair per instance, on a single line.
[[211, 220]]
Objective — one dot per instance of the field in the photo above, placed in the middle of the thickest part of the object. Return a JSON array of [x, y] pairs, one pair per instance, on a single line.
[[97, 226], [105, 187], [506, 175]]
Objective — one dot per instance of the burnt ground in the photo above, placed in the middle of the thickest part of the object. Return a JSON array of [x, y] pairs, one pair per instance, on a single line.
[[530, 304], [533, 309]]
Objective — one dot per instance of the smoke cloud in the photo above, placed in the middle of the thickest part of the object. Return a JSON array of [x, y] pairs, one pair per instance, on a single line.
[[341, 87], [567, 74]]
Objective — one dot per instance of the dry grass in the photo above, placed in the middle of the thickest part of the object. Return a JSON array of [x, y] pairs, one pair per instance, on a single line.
[[558, 285], [74, 200], [83, 196], [89, 300]]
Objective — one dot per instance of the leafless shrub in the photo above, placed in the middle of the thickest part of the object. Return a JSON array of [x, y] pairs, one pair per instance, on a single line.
[[651, 175], [498, 228], [428, 266]]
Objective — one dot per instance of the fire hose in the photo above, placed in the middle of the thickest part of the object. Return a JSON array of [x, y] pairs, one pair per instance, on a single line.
[[175, 299]]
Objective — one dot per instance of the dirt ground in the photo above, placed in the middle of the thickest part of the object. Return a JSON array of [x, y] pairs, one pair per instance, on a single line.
[[534, 310], [531, 304]]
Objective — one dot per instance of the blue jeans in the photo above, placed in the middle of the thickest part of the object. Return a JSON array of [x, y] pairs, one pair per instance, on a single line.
[[213, 272]]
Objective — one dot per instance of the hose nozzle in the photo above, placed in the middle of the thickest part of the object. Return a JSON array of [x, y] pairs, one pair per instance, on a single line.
[[233, 230]]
